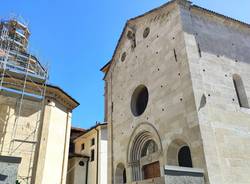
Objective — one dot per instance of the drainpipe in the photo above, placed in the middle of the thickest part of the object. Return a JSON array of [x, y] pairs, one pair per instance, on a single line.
[[97, 153], [87, 171]]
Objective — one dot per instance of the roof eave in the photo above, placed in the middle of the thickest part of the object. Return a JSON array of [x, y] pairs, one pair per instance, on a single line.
[[62, 91], [90, 129]]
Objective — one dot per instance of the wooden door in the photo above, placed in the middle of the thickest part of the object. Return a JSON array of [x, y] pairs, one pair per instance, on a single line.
[[152, 170]]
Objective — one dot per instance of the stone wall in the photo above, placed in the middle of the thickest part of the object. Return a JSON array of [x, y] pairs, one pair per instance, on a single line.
[[217, 49], [187, 64], [160, 63]]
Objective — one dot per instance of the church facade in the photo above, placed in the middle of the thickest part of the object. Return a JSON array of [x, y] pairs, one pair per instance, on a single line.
[[177, 93]]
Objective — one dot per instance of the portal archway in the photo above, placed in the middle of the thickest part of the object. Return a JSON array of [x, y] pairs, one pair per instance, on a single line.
[[143, 152]]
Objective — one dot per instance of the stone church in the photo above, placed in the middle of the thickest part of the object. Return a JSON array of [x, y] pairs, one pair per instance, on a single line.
[[177, 93]]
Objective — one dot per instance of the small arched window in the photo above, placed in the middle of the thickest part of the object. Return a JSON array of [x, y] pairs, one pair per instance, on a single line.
[[240, 91], [184, 157], [120, 174]]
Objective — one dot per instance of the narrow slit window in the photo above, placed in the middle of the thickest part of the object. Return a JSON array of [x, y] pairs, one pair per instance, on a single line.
[[92, 158], [199, 49], [240, 91], [82, 146], [175, 55], [93, 142]]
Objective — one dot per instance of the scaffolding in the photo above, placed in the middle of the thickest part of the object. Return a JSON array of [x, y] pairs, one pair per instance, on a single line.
[[21, 77]]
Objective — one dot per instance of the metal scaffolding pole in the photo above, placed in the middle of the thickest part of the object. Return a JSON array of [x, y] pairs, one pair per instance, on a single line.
[[24, 79]]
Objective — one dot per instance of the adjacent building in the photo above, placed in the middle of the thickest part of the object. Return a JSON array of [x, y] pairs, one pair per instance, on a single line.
[[88, 162], [35, 117], [74, 133], [177, 95]]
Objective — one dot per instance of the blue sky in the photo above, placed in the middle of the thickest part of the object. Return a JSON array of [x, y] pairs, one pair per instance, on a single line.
[[77, 37]]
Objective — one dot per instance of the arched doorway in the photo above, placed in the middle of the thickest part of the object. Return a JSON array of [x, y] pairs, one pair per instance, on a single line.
[[149, 169], [120, 174], [143, 153]]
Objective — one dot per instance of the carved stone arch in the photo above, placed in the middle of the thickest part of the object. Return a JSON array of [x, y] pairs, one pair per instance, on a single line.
[[143, 133], [150, 132]]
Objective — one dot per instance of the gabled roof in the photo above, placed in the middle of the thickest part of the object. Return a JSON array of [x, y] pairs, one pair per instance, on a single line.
[[76, 132], [91, 128], [221, 15], [106, 67], [77, 129]]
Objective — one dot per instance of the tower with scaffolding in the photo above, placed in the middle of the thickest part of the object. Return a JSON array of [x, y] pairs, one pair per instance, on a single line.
[[22, 92]]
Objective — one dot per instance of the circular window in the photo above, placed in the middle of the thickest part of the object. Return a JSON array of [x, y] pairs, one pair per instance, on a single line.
[[81, 163], [146, 32], [139, 100]]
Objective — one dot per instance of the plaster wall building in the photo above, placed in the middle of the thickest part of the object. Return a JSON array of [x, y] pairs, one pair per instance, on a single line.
[[88, 162], [51, 152], [177, 94], [35, 117]]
